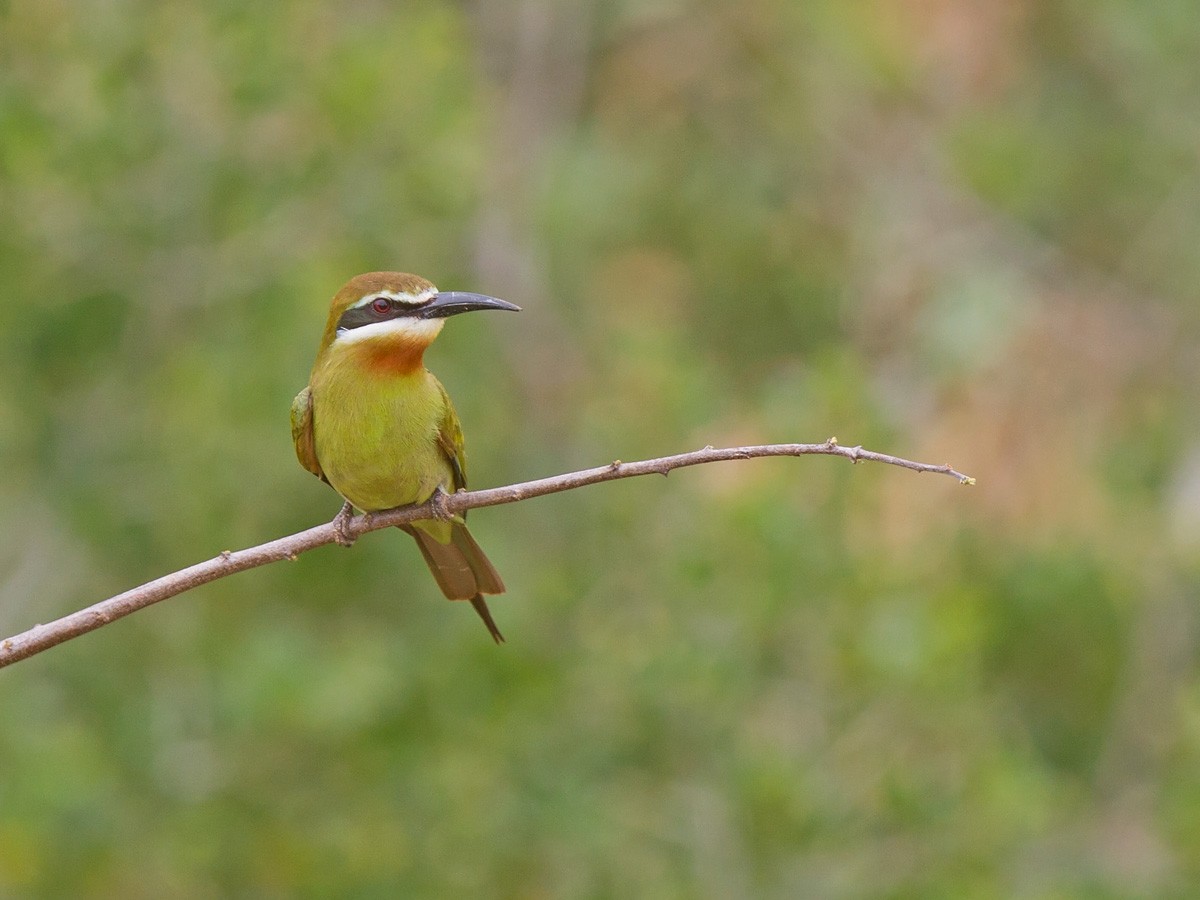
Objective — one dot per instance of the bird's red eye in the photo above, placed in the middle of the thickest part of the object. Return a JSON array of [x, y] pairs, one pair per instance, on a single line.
[[381, 305]]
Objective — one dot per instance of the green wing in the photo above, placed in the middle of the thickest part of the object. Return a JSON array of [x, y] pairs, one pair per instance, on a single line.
[[302, 433], [450, 439]]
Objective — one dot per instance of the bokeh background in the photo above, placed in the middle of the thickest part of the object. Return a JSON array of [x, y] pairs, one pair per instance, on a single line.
[[954, 231]]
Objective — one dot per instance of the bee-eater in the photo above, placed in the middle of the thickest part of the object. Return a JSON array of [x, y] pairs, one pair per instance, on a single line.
[[378, 427]]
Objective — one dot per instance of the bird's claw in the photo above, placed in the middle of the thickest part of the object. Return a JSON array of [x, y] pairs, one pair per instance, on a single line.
[[439, 507], [342, 535]]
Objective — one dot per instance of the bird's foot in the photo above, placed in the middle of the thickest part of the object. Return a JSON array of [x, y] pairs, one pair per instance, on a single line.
[[342, 534], [438, 505]]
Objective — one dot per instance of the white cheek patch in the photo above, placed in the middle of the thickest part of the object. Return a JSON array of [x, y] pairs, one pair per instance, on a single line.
[[419, 299], [420, 331]]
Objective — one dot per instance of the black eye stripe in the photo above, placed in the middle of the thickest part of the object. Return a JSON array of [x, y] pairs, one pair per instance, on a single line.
[[357, 316]]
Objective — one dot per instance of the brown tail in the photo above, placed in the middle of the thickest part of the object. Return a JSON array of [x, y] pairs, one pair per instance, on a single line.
[[481, 607], [462, 570]]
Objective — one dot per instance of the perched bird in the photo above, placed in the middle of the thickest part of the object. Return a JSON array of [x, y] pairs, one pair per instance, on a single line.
[[378, 427]]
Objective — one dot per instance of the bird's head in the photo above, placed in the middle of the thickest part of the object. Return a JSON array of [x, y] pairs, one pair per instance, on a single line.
[[392, 317]]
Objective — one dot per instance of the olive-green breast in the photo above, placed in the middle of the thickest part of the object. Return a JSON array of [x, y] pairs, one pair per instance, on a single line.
[[376, 433]]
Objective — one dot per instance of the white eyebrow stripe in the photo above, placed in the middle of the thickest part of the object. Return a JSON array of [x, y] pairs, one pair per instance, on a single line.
[[399, 296]]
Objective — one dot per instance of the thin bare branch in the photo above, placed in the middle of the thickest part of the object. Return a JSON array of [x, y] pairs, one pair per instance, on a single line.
[[42, 637]]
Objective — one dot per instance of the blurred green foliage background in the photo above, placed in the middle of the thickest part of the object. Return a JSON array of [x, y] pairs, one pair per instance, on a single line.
[[954, 231]]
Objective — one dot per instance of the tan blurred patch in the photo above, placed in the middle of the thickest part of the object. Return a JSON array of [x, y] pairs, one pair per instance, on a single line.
[[968, 50], [640, 288], [1033, 428], [653, 71]]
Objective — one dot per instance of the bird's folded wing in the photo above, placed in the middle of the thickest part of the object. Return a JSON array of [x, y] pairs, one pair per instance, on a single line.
[[302, 433]]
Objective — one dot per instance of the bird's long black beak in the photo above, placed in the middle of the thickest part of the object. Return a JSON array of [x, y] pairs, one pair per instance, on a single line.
[[451, 303]]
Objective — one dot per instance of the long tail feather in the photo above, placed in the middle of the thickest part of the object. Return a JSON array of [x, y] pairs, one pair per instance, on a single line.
[[486, 576], [461, 569], [481, 607]]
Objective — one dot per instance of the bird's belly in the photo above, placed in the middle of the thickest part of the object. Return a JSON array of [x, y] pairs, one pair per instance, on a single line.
[[379, 453], [375, 488]]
